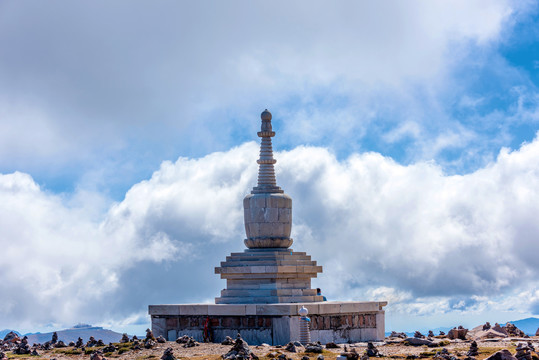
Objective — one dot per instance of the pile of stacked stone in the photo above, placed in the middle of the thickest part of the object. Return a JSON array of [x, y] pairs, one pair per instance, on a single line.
[[291, 347], [395, 334], [97, 355], [160, 339], [523, 352], [474, 350], [79, 343], [227, 341], [91, 342], [350, 355], [537, 332], [498, 328], [431, 334], [418, 335], [136, 344], [60, 344], [10, 341], [457, 333], [124, 339], [444, 355], [372, 351], [314, 347], [168, 355], [188, 341], [109, 348], [240, 351], [512, 330], [22, 348], [149, 341]]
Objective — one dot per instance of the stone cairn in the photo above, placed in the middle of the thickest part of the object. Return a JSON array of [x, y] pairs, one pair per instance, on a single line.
[[268, 271], [240, 351], [168, 355], [523, 352], [474, 350]]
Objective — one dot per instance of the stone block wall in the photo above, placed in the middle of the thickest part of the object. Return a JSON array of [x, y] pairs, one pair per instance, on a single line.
[[274, 324]]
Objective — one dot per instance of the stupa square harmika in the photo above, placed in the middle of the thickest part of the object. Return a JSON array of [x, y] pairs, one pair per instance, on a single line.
[[268, 283]]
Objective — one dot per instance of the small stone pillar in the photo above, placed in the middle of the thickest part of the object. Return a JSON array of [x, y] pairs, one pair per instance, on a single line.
[[304, 331]]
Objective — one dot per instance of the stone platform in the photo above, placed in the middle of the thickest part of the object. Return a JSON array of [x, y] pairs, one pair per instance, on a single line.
[[268, 276], [274, 324]]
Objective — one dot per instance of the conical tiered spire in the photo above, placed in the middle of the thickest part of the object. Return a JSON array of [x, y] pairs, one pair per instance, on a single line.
[[266, 173], [267, 209]]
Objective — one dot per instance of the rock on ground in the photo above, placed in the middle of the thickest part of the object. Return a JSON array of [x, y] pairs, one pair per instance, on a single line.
[[315, 347], [417, 341], [501, 355]]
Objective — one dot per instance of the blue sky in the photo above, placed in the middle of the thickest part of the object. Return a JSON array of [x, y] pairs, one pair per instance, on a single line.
[[406, 135]]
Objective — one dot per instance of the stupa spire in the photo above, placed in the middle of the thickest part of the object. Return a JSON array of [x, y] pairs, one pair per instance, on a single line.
[[266, 172], [267, 209]]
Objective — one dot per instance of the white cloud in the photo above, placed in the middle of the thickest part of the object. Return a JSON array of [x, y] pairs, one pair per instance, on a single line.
[[429, 242], [79, 82]]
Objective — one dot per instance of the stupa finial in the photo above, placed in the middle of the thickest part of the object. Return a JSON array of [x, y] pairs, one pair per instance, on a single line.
[[266, 172]]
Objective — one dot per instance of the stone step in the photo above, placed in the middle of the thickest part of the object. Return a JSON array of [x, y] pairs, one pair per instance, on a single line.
[[267, 299], [269, 250], [266, 258], [285, 276], [267, 292], [241, 284], [272, 255], [302, 285], [287, 269], [235, 262]]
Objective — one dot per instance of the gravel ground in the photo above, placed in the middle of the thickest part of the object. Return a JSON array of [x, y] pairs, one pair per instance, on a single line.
[[214, 351]]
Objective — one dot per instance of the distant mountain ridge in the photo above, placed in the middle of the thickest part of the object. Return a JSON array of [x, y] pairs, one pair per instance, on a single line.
[[83, 331], [528, 325]]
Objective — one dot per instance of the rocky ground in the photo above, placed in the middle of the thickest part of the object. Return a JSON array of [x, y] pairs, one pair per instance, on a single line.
[[457, 349], [398, 346]]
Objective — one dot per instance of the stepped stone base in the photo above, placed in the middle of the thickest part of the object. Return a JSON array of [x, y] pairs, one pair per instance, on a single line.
[[268, 276], [274, 324]]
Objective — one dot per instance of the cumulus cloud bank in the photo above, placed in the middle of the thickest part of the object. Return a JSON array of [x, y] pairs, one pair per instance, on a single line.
[[84, 81], [409, 234]]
